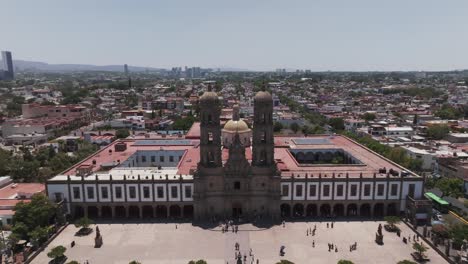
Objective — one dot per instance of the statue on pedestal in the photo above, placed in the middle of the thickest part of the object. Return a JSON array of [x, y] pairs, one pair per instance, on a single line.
[[98, 238], [379, 235]]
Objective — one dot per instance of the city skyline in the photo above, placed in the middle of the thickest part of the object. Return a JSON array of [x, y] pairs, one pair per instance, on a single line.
[[320, 36]]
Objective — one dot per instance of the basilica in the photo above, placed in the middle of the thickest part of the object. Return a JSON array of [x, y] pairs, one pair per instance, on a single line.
[[237, 172]]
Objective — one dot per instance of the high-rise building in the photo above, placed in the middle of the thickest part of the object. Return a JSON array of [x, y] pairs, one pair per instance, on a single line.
[[126, 69], [7, 65]]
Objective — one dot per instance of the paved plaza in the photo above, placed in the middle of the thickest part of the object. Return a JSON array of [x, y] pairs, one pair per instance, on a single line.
[[151, 243]]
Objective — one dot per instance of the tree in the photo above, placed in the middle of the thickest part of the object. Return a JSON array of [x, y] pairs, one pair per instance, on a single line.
[[134, 262], [406, 262], [345, 261], [448, 112], [337, 123], [392, 221], [438, 131], [284, 261], [28, 216], [183, 123], [420, 248], [122, 133], [39, 235], [57, 253], [369, 116], [450, 187], [459, 233], [277, 127], [83, 223], [73, 262], [200, 261], [294, 127]]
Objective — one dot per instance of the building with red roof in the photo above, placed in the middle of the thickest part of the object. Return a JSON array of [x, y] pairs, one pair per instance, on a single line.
[[200, 176]]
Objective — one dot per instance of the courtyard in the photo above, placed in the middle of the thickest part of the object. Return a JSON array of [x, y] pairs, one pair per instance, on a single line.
[[170, 243]]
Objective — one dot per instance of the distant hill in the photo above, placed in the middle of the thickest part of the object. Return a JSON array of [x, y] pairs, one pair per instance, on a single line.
[[46, 67]]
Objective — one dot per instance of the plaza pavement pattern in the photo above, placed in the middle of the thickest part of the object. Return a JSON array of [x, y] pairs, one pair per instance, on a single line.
[[158, 243]]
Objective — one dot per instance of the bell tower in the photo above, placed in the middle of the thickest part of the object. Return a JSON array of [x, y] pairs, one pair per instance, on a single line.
[[210, 130], [263, 141]]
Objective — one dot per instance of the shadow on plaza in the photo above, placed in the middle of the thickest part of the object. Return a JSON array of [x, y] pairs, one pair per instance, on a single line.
[[260, 224]]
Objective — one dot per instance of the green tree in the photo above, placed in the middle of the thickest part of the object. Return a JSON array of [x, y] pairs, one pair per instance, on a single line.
[[438, 131], [420, 248], [134, 262], [37, 213], [392, 220], [450, 187], [344, 261], [122, 133], [73, 262], [448, 112], [83, 223], [369, 116], [337, 123], [57, 253], [284, 261], [459, 233], [406, 262], [38, 236], [183, 123], [277, 127], [200, 261], [294, 127]]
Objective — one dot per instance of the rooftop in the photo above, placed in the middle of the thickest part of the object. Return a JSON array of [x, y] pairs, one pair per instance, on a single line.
[[367, 162]]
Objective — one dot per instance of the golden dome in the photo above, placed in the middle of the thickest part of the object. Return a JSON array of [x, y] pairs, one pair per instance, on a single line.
[[263, 96], [209, 96], [236, 126]]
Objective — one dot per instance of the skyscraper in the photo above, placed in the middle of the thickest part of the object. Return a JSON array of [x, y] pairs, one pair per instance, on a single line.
[[126, 69], [7, 65]]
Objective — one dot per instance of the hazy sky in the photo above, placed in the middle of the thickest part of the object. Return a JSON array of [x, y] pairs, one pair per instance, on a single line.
[[309, 34]]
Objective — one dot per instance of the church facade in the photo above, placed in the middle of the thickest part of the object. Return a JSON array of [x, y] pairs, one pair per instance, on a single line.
[[239, 173]]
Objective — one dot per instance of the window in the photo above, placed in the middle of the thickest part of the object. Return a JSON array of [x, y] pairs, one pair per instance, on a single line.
[[326, 190], [171, 158], [143, 158], [118, 192], [188, 191], [313, 190], [411, 190], [153, 158], [380, 189], [298, 190], [132, 192], [237, 185], [366, 189], [210, 137], [394, 190], [8, 221], [174, 193], [58, 197], [104, 192], [76, 193], [161, 158], [160, 191], [353, 190], [285, 190], [146, 192], [339, 190], [90, 192]]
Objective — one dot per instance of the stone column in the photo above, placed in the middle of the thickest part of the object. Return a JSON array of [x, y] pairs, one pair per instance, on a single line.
[[99, 208], [85, 213], [140, 210]]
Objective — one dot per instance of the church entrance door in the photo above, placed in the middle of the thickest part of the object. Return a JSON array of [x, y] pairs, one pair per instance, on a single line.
[[236, 210]]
